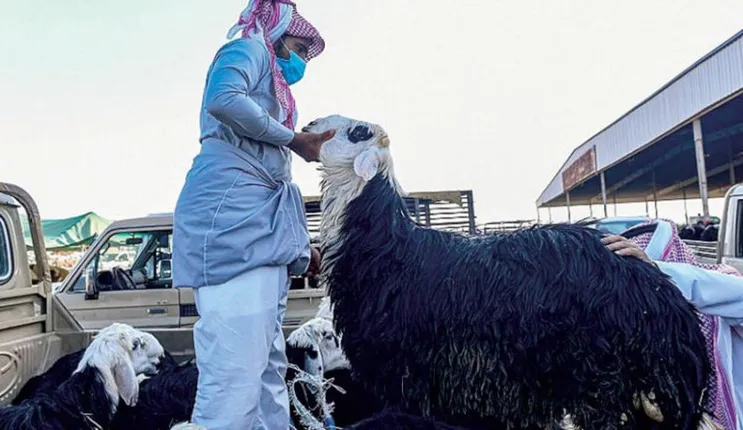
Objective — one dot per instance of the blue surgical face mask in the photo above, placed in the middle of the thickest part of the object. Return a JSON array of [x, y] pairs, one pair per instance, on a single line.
[[293, 68]]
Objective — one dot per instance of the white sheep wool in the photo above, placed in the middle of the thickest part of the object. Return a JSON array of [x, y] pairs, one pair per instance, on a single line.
[[345, 167]]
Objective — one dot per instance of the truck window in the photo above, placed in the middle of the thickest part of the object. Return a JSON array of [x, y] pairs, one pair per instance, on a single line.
[[131, 261], [6, 255]]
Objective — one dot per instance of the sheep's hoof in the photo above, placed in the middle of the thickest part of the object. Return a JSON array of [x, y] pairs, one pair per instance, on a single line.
[[651, 410]]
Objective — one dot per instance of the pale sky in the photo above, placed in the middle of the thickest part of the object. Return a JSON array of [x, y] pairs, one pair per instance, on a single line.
[[99, 99]]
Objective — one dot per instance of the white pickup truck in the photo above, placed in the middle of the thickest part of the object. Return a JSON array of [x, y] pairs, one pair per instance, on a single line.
[[125, 276], [729, 247]]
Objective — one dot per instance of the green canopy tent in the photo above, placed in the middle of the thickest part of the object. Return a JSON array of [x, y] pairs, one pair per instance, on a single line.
[[68, 233]]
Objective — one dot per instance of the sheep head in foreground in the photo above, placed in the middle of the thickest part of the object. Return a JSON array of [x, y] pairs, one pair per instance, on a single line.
[[315, 348], [540, 328], [357, 153], [120, 353], [89, 397], [357, 145]]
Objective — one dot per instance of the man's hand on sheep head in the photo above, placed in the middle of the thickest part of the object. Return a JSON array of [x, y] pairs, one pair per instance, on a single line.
[[625, 247], [307, 145]]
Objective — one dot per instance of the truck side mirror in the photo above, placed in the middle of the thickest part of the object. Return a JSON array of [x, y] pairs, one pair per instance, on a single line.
[[91, 291]]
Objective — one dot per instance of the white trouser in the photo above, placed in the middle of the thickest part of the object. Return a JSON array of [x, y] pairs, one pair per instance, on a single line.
[[240, 352]]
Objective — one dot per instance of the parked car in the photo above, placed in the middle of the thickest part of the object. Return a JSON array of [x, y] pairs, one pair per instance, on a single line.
[[614, 225]]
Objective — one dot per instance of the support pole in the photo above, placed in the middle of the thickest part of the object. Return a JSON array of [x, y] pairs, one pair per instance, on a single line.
[[590, 210], [567, 199], [647, 208], [686, 211], [701, 168], [539, 220], [614, 196], [655, 196], [549, 214], [730, 161], [603, 194]]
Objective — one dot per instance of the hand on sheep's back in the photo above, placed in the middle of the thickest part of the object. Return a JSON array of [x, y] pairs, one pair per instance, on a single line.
[[625, 247], [307, 145]]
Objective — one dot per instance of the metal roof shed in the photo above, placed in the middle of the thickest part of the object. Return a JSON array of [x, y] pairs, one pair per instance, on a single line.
[[685, 140]]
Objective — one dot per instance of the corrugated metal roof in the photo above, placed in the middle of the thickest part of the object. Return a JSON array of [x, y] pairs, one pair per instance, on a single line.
[[710, 80]]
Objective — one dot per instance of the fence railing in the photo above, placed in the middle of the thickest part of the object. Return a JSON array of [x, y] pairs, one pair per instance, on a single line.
[[442, 210], [505, 226], [706, 250]]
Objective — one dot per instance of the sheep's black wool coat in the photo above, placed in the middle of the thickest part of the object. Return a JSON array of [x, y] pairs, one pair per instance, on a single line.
[[83, 393], [350, 406], [509, 331], [48, 382], [397, 421], [354, 404], [61, 370], [165, 399]]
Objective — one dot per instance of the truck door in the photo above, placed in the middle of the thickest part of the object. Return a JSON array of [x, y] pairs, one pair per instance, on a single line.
[[731, 234], [129, 271], [28, 343]]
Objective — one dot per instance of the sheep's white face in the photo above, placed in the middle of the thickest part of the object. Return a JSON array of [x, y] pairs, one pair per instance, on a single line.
[[148, 356], [360, 147], [318, 335], [120, 353]]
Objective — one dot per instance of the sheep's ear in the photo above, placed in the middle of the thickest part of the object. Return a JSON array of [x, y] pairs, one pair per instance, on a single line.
[[366, 164], [126, 381]]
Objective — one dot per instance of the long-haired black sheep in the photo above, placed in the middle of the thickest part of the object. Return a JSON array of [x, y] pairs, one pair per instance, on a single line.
[[315, 348], [62, 369], [106, 373], [516, 330]]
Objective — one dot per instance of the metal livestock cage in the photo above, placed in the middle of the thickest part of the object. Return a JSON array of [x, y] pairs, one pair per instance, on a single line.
[[442, 210]]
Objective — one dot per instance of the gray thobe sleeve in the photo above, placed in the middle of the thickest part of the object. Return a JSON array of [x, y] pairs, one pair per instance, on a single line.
[[234, 74]]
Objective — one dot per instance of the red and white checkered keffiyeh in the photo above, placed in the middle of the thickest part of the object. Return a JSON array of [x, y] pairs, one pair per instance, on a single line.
[[265, 15], [720, 399]]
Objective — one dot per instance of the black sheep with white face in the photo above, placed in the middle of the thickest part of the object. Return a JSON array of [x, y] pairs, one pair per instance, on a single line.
[[106, 373], [315, 348], [540, 328], [62, 369]]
